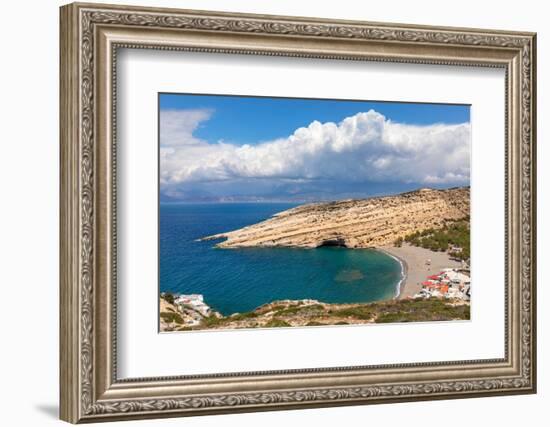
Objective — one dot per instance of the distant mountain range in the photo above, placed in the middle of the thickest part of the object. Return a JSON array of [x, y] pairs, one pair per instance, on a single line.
[[322, 194]]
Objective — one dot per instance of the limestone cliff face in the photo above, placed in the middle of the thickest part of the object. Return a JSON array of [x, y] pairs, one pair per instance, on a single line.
[[361, 223]]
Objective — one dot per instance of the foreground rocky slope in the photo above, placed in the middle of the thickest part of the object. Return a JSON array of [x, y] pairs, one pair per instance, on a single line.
[[358, 223], [314, 313]]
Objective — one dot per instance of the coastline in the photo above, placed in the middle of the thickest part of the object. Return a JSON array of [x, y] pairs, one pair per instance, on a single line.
[[414, 267], [190, 312], [404, 271]]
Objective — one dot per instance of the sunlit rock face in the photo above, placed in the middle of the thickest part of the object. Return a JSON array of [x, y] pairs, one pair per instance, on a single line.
[[360, 223]]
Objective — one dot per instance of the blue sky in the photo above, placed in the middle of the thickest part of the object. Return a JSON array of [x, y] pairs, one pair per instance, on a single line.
[[231, 148], [268, 118]]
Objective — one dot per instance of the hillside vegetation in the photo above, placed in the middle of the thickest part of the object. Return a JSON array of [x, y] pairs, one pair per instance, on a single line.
[[313, 313], [454, 238]]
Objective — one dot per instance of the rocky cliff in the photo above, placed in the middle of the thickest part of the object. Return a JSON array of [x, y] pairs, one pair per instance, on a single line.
[[358, 223]]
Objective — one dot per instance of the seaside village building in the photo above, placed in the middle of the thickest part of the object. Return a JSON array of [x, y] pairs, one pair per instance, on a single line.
[[193, 308], [451, 283], [195, 302]]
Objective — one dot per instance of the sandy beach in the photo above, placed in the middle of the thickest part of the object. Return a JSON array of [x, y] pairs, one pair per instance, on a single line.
[[415, 267]]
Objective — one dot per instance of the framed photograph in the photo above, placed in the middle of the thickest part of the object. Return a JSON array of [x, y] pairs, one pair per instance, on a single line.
[[330, 225], [267, 212]]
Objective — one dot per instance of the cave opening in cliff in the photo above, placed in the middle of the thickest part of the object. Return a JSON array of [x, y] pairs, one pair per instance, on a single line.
[[336, 242]]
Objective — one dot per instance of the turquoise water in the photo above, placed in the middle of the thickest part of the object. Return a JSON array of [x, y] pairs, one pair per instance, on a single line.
[[238, 280]]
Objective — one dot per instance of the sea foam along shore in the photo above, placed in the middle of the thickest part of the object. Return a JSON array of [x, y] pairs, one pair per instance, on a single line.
[[404, 269], [416, 269]]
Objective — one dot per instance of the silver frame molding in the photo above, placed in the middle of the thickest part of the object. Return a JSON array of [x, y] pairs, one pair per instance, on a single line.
[[90, 37]]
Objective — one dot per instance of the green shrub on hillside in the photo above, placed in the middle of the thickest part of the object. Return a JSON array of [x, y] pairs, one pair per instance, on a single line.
[[303, 310], [361, 312], [314, 323], [454, 234], [277, 323], [171, 318], [243, 316], [168, 297], [213, 321]]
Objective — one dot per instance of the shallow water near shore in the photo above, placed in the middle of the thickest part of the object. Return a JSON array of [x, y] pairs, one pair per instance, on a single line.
[[239, 280]]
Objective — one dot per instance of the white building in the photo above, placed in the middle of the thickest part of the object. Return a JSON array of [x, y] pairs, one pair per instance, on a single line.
[[194, 302]]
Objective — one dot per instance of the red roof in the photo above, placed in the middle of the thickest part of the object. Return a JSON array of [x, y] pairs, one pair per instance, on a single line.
[[427, 283], [433, 277]]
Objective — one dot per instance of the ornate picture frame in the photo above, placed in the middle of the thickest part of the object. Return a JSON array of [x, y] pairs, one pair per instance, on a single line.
[[90, 37]]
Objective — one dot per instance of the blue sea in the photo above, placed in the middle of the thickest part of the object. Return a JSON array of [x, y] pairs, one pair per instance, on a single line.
[[239, 280]]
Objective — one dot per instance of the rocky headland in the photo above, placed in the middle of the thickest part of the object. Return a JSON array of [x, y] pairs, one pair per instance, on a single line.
[[357, 223]]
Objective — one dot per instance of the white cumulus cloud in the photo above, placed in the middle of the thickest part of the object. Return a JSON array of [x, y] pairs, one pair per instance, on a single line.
[[365, 147]]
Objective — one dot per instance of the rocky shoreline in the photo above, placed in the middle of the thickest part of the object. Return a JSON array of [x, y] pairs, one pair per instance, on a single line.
[[358, 223]]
